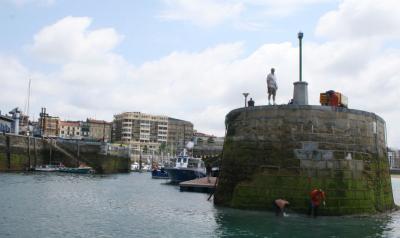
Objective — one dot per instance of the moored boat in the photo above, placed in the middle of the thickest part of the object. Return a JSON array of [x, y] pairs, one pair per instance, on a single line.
[[47, 168], [186, 168], [79, 170], [159, 174]]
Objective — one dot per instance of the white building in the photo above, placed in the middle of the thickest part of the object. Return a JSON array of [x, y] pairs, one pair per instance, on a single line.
[[70, 130], [143, 132]]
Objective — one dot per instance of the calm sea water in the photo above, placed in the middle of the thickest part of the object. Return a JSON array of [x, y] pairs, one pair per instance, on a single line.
[[134, 205]]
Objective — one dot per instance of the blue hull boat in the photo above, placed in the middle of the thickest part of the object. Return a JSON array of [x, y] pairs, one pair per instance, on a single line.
[[178, 175], [159, 174], [186, 168]]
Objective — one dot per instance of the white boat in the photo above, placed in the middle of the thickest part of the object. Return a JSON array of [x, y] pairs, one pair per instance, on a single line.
[[135, 166], [146, 167], [47, 168]]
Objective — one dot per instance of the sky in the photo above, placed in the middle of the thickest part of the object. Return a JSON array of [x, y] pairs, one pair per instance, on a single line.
[[193, 59]]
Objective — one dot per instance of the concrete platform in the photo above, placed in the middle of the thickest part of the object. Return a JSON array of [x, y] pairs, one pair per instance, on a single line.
[[199, 185]]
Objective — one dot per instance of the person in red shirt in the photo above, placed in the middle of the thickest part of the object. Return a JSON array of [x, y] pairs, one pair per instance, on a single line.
[[317, 196]]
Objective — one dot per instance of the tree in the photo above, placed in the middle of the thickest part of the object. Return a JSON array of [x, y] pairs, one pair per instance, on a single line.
[[145, 149], [210, 140], [162, 147]]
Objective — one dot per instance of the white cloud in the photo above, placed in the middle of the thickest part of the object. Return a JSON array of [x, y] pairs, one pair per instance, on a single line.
[[361, 19], [94, 81], [70, 40], [14, 78]]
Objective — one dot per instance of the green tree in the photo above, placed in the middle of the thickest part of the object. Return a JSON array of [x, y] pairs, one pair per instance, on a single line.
[[145, 149], [162, 147]]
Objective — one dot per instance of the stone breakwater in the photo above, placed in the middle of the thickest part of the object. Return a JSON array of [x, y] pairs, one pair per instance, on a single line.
[[21, 153], [285, 151]]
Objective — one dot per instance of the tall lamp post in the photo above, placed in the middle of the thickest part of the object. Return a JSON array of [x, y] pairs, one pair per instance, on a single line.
[[245, 98], [300, 36], [300, 92]]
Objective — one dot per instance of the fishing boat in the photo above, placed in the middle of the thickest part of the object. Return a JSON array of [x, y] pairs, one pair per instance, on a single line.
[[78, 170], [186, 168]]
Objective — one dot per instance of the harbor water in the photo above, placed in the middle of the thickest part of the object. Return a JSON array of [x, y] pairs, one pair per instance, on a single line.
[[134, 205]]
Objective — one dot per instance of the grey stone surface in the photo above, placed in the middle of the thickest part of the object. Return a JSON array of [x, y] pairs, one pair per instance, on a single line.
[[307, 146], [300, 93]]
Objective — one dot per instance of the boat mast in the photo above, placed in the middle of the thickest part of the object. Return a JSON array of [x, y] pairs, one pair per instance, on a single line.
[[27, 106]]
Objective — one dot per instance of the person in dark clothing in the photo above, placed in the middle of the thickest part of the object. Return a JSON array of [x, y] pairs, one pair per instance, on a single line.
[[250, 103]]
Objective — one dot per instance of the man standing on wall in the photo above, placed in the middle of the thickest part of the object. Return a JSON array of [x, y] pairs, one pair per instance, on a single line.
[[272, 86]]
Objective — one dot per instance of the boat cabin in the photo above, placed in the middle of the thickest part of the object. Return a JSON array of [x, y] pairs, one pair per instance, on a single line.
[[188, 162]]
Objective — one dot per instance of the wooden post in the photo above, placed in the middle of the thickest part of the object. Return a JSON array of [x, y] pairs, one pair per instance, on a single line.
[[78, 154], [29, 152], [8, 152], [51, 150], [35, 153]]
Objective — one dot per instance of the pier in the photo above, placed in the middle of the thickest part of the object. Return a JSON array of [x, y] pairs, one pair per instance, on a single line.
[[199, 185]]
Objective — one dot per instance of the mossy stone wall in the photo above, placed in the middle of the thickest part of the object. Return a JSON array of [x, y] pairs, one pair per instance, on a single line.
[[285, 151], [20, 153]]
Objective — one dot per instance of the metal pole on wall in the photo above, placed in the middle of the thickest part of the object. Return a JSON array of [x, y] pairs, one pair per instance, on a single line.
[[245, 99], [300, 36]]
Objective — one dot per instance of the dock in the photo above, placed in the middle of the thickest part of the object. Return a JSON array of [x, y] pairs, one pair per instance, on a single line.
[[199, 185]]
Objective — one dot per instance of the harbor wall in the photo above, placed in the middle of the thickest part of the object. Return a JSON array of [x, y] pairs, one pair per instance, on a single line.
[[21, 153], [95, 156], [286, 151]]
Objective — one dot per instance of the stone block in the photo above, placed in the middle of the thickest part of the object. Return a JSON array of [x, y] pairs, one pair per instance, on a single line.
[[305, 163], [325, 173], [310, 146], [326, 154], [344, 164], [359, 165]]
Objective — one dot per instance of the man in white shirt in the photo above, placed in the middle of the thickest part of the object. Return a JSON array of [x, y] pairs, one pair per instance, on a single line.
[[272, 86]]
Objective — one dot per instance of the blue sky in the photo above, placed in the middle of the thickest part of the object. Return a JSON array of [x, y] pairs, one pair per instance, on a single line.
[[192, 59], [146, 35]]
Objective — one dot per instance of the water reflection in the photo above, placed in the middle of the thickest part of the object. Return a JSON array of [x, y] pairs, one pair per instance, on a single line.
[[239, 223], [134, 205], [236, 223]]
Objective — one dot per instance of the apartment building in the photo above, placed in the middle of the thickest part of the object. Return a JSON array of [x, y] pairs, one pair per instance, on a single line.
[[48, 125], [205, 144], [96, 130], [70, 130], [180, 132], [141, 131]]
